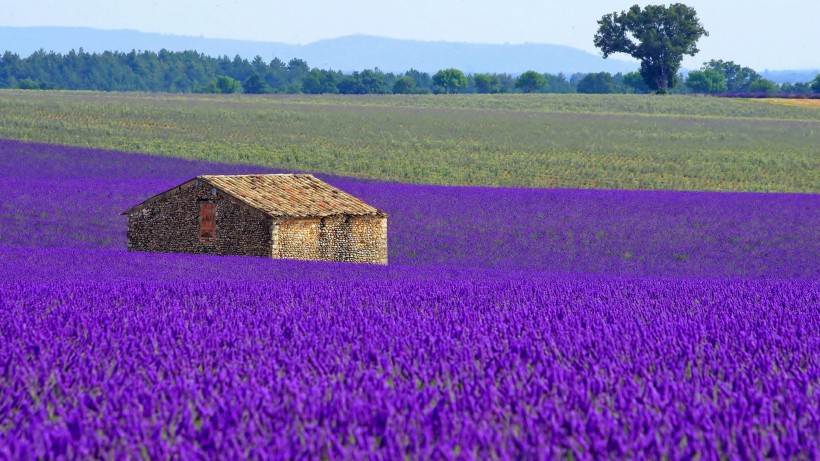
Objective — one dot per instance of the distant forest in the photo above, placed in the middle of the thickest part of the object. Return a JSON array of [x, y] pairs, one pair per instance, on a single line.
[[193, 72]]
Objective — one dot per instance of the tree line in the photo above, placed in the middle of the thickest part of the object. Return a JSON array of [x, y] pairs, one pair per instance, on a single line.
[[193, 72], [658, 36]]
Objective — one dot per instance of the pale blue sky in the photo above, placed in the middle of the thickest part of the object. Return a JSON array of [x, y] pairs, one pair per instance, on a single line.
[[773, 35]]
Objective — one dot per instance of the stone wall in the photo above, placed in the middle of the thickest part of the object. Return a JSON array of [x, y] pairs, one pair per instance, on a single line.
[[333, 238], [170, 223], [296, 238], [369, 242]]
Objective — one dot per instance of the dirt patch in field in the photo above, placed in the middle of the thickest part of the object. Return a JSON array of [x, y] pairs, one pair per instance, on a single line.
[[793, 102]]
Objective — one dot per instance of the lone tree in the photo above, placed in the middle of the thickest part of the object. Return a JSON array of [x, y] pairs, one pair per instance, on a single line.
[[658, 36]]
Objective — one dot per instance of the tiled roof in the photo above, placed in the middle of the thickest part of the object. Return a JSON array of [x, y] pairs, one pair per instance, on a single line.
[[290, 195]]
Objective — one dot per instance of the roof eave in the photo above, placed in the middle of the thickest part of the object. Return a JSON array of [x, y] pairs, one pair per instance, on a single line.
[[147, 201], [246, 203], [380, 214]]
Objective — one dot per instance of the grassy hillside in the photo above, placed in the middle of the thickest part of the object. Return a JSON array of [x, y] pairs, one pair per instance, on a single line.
[[575, 141]]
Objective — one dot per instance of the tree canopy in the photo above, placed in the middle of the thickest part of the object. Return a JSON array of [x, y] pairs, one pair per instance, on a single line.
[[657, 35], [737, 78], [451, 80], [190, 71], [404, 85], [762, 85], [706, 81], [634, 81], [596, 83], [486, 83], [718, 76], [530, 81]]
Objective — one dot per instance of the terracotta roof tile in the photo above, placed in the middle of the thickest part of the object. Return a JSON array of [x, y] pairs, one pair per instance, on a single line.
[[290, 195]]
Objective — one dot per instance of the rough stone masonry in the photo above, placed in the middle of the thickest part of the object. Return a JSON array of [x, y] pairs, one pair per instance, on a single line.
[[293, 216]]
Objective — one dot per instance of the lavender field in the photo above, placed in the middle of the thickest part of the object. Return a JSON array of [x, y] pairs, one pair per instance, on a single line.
[[510, 323]]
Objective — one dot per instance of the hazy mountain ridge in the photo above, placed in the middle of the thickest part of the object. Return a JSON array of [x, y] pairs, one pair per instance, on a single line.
[[349, 53], [790, 76], [355, 52]]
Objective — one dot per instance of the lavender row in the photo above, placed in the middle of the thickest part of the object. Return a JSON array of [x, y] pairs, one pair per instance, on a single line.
[[65, 197], [463, 368]]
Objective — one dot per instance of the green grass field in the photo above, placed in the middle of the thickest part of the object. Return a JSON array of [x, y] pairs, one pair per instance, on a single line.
[[575, 141]]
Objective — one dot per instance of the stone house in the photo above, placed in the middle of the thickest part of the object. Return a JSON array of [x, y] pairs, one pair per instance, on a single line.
[[293, 216]]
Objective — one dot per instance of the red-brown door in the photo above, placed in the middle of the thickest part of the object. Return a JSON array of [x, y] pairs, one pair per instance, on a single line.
[[207, 222]]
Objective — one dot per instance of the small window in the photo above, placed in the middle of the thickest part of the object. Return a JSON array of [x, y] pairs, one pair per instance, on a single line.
[[207, 222]]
